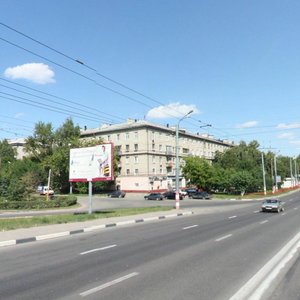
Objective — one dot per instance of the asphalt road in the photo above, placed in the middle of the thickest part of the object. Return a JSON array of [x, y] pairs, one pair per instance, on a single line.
[[106, 203], [198, 257]]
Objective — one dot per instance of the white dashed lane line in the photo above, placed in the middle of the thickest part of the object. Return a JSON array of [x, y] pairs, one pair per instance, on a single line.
[[223, 237], [98, 249], [108, 284], [189, 227], [263, 222], [232, 217], [256, 211]]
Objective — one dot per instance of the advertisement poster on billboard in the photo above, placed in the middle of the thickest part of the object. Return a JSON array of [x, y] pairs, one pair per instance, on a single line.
[[91, 163]]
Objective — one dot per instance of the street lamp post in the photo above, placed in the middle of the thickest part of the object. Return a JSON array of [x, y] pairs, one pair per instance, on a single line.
[[177, 204], [264, 173]]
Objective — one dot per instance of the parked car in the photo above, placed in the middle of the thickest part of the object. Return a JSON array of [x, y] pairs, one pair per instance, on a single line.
[[191, 191], [200, 195], [154, 196], [272, 205], [171, 195], [116, 194], [44, 190]]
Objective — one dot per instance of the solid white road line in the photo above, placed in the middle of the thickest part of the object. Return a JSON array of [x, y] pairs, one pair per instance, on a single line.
[[255, 288], [232, 217], [192, 226], [263, 222], [223, 238], [98, 249], [108, 284]]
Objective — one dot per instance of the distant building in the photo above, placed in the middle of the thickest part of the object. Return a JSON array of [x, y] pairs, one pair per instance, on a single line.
[[18, 144], [147, 152]]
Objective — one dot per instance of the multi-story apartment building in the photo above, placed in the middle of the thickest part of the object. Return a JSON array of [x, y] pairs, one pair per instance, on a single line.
[[148, 152]]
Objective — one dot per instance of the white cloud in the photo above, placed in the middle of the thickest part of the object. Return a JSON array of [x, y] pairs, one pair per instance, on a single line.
[[172, 110], [286, 135], [35, 72], [248, 124], [294, 142], [19, 115], [288, 126]]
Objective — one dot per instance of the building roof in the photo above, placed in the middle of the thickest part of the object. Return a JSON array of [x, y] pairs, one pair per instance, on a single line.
[[136, 124]]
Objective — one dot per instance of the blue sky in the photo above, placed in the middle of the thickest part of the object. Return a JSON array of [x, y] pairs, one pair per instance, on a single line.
[[236, 64]]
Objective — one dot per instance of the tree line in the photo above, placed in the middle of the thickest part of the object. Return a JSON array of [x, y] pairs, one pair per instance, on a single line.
[[238, 170], [46, 149]]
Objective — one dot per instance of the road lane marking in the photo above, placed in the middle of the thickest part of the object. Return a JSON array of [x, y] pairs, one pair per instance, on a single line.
[[98, 249], [232, 217], [108, 284], [263, 222], [189, 227], [283, 214], [261, 282], [223, 238], [295, 208], [256, 211]]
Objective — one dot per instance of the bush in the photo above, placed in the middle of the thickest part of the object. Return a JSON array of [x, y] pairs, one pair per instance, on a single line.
[[40, 203]]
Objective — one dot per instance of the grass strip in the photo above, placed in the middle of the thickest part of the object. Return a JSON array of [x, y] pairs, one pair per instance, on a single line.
[[26, 222]]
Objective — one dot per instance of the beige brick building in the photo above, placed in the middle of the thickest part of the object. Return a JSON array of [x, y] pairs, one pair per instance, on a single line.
[[147, 152]]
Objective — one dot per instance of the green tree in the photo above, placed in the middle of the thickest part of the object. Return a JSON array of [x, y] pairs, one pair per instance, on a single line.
[[198, 172], [7, 153], [40, 145]]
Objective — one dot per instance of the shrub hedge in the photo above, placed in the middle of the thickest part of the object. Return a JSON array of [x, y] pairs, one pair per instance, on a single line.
[[40, 203]]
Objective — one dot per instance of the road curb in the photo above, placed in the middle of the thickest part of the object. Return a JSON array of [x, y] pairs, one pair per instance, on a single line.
[[89, 229]]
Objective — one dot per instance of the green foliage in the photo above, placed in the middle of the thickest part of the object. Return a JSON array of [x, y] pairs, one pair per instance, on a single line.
[[7, 153], [40, 203], [198, 171]]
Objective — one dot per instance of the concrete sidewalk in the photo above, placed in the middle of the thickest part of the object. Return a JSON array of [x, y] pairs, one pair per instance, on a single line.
[[32, 234]]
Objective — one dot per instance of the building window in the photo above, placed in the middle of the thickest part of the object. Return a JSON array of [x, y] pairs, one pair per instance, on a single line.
[[136, 147], [127, 136], [127, 171], [127, 148], [136, 171], [153, 171], [127, 160], [160, 148], [118, 136], [153, 147], [153, 159], [109, 137], [136, 159], [136, 134], [160, 171]]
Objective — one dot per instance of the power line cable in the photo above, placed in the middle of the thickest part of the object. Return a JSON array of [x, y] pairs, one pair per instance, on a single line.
[[61, 98], [46, 107], [52, 101]]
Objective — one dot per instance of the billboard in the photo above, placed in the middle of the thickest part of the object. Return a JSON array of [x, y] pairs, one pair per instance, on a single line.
[[91, 163]]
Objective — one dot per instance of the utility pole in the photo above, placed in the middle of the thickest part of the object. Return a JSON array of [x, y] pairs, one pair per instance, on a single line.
[[264, 173], [291, 170], [177, 204], [296, 175], [275, 170]]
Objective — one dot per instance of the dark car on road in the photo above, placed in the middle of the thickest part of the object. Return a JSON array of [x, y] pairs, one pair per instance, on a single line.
[[200, 195], [171, 195], [116, 194], [191, 191], [154, 196], [272, 205]]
